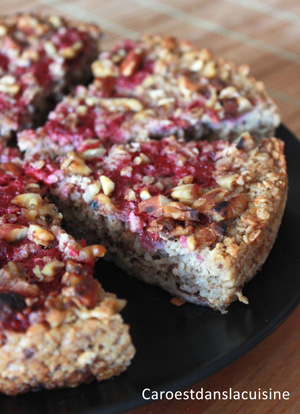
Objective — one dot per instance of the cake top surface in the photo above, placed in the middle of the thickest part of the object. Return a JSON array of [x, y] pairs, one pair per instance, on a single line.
[[155, 87], [36, 52], [41, 265], [170, 190]]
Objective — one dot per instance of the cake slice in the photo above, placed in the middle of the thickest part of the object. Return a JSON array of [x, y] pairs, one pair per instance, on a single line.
[[198, 218], [58, 328], [184, 90], [154, 88], [41, 58]]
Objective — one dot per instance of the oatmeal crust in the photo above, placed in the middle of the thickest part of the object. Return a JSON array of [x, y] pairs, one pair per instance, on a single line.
[[84, 345]]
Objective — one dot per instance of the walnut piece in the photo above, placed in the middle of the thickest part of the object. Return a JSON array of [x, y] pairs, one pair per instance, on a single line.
[[13, 232], [39, 235], [27, 199], [74, 164]]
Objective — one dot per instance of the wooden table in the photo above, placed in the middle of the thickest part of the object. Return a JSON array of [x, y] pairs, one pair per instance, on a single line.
[[266, 35]]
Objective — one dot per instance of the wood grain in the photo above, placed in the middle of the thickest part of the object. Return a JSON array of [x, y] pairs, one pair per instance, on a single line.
[[264, 34]]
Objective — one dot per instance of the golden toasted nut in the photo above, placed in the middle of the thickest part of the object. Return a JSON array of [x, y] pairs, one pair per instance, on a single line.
[[187, 193], [70, 52], [13, 232], [50, 269], [103, 68], [227, 181], [209, 200], [205, 237], [179, 211], [191, 243], [11, 168], [236, 205], [87, 292], [102, 202], [39, 235], [27, 199], [153, 205], [116, 104], [91, 191], [72, 163], [90, 252], [144, 194], [131, 62], [93, 153], [107, 184]]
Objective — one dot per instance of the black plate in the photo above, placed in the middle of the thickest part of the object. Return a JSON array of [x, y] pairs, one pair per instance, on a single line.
[[177, 347]]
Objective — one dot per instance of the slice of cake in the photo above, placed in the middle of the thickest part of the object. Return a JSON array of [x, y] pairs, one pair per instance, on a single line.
[[41, 58], [197, 218], [154, 88], [58, 328], [184, 90]]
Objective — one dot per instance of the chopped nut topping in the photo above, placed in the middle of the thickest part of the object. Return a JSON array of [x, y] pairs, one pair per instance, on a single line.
[[93, 153], [39, 235], [103, 68], [229, 92], [102, 202], [70, 52], [90, 252], [131, 63], [9, 89], [154, 205], [243, 104], [236, 205], [186, 180], [145, 194], [87, 292], [205, 237], [179, 211], [187, 193], [227, 181], [13, 232], [262, 213], [50, 269], [208, 201], [55, 21], [130, 195], [3, 30], [191, 243], [209, 70], [11, 168], [108, 185], [182, 231], [71, 279], [74, 164], [37, 271], [91, 191], [27, 199], [82, 110], [126, 171], [116, 104], [50, 49]]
